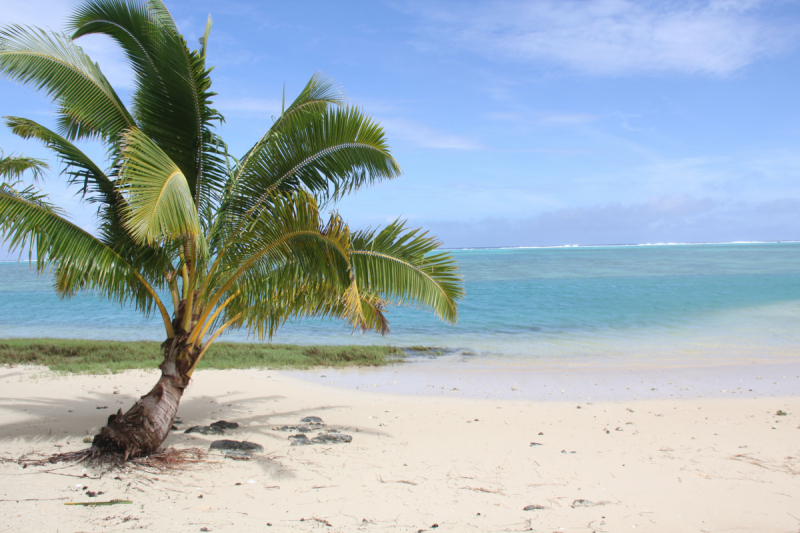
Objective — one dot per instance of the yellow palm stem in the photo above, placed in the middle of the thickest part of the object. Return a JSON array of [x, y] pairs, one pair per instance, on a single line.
[[217, 296], [216, 334], [198, 333]]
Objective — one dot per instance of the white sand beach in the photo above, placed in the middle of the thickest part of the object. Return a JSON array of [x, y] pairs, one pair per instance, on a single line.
[[416, 463]]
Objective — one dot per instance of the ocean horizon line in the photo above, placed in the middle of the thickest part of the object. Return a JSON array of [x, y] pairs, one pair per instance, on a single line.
[[618, 245], [553, 246]]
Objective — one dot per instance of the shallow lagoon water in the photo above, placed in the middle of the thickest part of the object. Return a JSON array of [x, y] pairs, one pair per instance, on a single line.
[[600, 306]]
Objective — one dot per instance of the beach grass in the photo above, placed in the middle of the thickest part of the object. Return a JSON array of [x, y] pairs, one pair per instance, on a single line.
[[104, 357]]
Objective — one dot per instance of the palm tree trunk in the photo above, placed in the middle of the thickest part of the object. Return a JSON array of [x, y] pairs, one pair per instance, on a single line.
[[145, 426]]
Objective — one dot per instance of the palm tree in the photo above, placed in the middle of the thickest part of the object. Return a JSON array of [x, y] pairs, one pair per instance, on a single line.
[[233, 243]]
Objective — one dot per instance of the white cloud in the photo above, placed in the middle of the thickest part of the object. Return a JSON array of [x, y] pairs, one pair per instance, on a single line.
[[661, 218], [425, 137], [610, 37]]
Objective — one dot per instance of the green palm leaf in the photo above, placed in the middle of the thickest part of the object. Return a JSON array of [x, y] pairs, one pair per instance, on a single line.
[[400, 265], [13, 167], [317, 97], [159, 204], [79, 167], [53, 63], [290, 234], [172, 97], [82, 261], [330, 153], [96, 186]]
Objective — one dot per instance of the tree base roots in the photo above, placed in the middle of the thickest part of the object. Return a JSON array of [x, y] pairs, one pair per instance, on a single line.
[[162, 460]]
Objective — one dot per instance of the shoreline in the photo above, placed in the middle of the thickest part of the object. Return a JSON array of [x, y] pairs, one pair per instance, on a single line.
[[483, 378], [719, 464], [443, 372]]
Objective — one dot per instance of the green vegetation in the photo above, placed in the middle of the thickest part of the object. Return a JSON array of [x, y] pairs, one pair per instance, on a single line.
[[103, 357], [426, 350]]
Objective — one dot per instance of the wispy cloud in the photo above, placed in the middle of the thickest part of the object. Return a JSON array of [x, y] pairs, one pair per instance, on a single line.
[[662, 218], [609, 37], [426, 137]]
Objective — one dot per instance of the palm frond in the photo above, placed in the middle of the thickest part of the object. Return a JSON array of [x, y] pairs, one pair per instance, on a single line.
[[31, 195], [315, 98], [172, 98], [158, 202], [290, 234], [402, 266], [82, 261], [96, 186], [54, 64], [13, 167], [331, 154], [78, 166], [291, 231]]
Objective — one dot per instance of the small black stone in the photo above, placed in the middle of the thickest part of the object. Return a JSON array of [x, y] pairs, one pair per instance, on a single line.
[[236, 446], [311, 420], [299, 440], [325, 438], [205, 430], [301, 429], [223, 425]]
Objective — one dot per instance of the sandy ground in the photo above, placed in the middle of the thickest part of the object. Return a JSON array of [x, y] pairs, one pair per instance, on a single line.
[[416, 463]]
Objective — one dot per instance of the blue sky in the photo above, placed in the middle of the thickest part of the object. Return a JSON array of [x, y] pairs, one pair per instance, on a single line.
[[517, 123]]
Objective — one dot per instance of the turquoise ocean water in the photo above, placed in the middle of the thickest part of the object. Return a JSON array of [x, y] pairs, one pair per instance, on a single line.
[[602, 305]]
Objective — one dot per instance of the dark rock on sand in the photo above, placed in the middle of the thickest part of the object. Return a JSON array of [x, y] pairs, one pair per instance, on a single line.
[[312, 420], [205, 430], [301, 429], [236, 446], [325, 438], [299, 440], [223, 425], [322, 438]]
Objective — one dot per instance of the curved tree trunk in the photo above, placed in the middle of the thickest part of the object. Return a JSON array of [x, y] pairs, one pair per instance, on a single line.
[[145, 426]]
